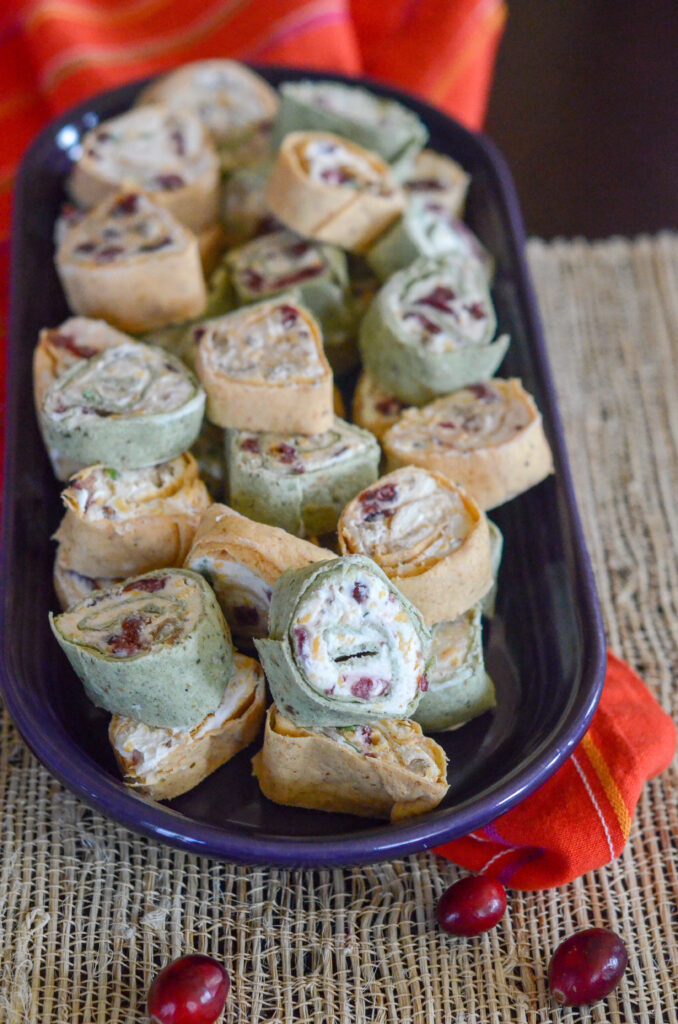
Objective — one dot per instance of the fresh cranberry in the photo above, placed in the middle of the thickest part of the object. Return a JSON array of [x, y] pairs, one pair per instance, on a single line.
[[360, 591], [587, 966], [191, 990], [472, 905]]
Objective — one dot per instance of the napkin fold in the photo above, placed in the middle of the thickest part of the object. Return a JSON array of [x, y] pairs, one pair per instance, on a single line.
[[581, 817]]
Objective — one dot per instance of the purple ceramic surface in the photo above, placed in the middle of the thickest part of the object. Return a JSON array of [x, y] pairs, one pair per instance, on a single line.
[[544, 648]]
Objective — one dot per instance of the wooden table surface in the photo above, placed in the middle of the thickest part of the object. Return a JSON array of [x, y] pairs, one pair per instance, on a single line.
[[585, 109]]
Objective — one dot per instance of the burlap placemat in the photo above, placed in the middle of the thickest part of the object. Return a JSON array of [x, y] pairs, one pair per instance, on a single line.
[[88, 911]]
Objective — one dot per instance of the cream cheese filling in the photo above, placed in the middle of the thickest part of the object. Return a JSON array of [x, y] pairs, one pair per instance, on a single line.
[[411, 519], [479, 416], [99, 493], [274, 343], [294, 454], [131, 228], [278, 261], [329, 162], [243, 595], [126, 379], [443, 311], [148, 746], [355, 641]]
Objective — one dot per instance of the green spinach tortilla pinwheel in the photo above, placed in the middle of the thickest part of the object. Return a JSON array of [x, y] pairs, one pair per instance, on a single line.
[[378, 124], [298, 482], [488, 437], [344, 647], [459, 688], [235, 105], [155, 648], [387, 769], [132, 406], [427, 228], [431, 330]]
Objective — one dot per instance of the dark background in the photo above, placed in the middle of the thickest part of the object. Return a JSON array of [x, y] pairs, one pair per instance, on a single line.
[[584, 107]]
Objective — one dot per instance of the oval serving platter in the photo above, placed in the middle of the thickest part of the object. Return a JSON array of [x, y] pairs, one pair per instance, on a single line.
[[544, 648]]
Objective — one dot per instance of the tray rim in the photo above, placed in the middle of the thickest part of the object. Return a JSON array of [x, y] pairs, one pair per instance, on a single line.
[[237, 843]]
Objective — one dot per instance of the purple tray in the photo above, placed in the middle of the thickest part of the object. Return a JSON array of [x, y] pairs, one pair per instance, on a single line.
[[544, 649]]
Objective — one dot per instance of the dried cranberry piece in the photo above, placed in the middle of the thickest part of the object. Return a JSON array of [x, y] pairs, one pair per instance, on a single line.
[[179, 145], [168, 181], [126, 205], [427, 324], [150, 584], [286, 453], [424, 185], [360, 591], [477, 310], [289, 315], [68, 342], [301, 640], [336, 176], [85, 247], [422, 683], [297, 249], [252, 280], [448, 424], [250, 444], [108, 253], [482, 392], [472, 905], [366, 687], [287, 280], [390, 406], [198, 333], [440, 298], [129, 640], [246, 615], [387, 492], [154, 246]]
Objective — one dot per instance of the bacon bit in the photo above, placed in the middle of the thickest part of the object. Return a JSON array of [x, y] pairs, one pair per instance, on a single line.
[[68, 342], [427, 324], [390, 406], [150, 584], [246, 615], [250, 444], [301, 640], [109, 253], [365, 687], [422, 682], [168, 181], [289, 315], [360, 591], [125, 206], [252, 280], [286, 453]]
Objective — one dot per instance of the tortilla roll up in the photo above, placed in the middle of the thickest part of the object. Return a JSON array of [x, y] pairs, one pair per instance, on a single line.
[[156, 648], [71, 587], [298, 482], [373, 122], [325, 187], [165, 153], [123, 523], [242, 560], [459, 687], [263, 368], [439, 178], [431, 330], [133, 406], [374, 408], [488, 437], [387, 769], [428, 536], [344, 646], [164, 763], [132, 263]]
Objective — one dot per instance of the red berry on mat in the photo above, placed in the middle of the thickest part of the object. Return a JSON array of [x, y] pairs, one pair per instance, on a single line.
[[587, 966], [191, 990], [472, 905]]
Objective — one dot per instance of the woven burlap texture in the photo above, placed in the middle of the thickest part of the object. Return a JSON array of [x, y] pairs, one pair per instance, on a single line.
[[88, 912]]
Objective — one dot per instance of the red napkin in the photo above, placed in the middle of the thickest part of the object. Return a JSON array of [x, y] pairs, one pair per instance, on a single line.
[[580, 818]]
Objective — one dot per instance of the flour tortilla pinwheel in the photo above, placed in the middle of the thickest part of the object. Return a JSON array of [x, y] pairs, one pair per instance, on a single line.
[[439, 178], [375, 408], [132, 263], [459, 687], [155, 648], [164, 763], [264, 368], [325, 187], [71, 587], [431, 330], [241, 560], [344, 647], [298, 482], [166, 153], [132, 406], [428, 536], [123, 523], [373, 122], [488, 437], [386, 769]]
